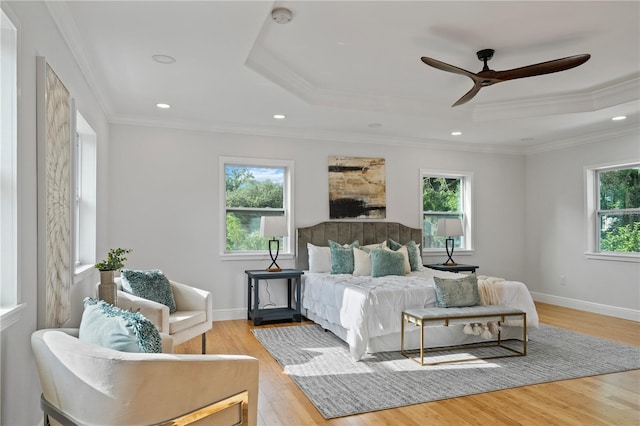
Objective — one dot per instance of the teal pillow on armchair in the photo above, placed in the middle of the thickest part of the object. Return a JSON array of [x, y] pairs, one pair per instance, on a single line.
[[150, 285], [111, 327]]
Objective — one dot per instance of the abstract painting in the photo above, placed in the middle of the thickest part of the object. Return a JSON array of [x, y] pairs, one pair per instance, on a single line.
[[54, 197], [357, 188]]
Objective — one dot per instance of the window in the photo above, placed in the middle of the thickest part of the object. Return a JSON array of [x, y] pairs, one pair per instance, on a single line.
[[254, 188], [8, 171], [84, 185], [617, 211], [445, 195]]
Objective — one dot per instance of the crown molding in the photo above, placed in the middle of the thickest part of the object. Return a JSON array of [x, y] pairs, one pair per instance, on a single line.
[[385, 140], [566, 143], [623, 90], [267, 64], [613, 93], [323, 135], [617, 92], [66, 24]]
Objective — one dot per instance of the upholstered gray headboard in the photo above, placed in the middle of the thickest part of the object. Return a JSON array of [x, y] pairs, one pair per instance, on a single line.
[[347, 232]]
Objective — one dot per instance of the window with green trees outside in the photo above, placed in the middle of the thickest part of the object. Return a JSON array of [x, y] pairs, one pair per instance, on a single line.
[[444, 195], [618, 212], [252, 191]]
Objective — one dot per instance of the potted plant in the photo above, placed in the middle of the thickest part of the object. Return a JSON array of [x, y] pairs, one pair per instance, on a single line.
[[107, 290]]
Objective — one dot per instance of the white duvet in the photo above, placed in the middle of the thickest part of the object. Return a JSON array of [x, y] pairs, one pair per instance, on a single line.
[[369, 307]]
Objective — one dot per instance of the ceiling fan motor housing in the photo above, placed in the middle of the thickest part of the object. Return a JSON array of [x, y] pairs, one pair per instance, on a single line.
[[485, 54]]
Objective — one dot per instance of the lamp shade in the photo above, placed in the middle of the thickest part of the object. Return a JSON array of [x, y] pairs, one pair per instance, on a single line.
[[450, 227], [273, 226]]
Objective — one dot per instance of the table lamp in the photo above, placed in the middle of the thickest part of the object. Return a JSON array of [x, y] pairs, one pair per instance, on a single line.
[[450, 227], [273, 226]]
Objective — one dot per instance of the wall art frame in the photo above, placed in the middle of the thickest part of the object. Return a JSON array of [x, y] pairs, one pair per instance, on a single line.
[[54, 124], [357, 188]]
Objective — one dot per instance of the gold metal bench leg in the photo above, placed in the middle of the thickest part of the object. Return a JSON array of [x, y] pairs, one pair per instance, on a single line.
[[402, 333], [418, 323], [524, 333], [421, 342]]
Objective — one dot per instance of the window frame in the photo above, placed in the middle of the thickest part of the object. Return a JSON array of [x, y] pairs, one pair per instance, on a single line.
[[85, 197], [592, 210], [10, 306], [467, 208], [287, 251]]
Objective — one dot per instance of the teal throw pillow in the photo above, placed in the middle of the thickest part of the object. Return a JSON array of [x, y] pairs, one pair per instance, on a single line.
[[386, 262], [342, 257], [150, 285], [111, 327], [457, 292], [415, 260]]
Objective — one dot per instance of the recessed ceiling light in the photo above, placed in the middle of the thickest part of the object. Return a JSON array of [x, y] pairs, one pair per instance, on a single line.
[[456, 133], [163, 59], [279, 116], [374, 125], [163, 106], [619, 117]]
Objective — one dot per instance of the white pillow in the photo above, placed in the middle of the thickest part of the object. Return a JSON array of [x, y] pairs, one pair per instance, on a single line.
[[361, 262], [405, 253], [375, 246], [319, 258], [419, 257]]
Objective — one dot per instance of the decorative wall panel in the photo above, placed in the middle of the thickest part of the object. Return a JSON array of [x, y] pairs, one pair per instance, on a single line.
[[54, 198]]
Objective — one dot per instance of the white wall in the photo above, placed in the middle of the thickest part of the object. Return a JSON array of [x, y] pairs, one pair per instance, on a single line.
[[164, 201], [556, 232], [158, 194], [38, 36]]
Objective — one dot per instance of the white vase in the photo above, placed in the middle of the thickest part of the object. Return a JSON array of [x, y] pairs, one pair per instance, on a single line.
[[107, 289]]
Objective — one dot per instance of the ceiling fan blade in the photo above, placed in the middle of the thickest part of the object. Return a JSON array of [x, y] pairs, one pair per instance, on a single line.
[[447, 67], [537, 69], [469, 95], [487, 77]]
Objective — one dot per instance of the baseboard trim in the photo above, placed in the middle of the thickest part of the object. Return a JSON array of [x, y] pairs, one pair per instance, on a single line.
[[229, 314], [598, 308]]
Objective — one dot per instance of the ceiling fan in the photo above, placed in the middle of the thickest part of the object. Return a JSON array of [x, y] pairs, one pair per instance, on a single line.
[[487, 77]]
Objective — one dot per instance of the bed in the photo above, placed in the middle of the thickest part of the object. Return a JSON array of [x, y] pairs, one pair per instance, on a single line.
[[365, 311]]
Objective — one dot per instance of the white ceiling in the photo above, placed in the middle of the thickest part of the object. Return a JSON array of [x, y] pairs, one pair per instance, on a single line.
[[340, 66]]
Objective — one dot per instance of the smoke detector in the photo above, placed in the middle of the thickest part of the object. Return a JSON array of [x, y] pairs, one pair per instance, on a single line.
[[281, 15]]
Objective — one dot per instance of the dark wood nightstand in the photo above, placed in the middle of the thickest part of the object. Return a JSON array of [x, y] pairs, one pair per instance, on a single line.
[[451, 268], [291, 312]]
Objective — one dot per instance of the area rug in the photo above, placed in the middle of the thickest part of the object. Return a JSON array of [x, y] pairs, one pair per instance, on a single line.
[[319, 363]]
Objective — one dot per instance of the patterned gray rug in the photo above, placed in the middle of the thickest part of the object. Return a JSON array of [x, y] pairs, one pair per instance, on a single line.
[[320, 364]]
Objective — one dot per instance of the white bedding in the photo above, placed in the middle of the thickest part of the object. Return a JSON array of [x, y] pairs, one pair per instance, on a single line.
[[366, 311]]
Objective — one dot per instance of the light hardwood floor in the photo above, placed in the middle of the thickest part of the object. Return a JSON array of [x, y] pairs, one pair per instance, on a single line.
[[611, 399]]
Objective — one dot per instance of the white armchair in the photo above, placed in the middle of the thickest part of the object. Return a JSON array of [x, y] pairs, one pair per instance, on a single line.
[[86, 384], [193, 317]]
